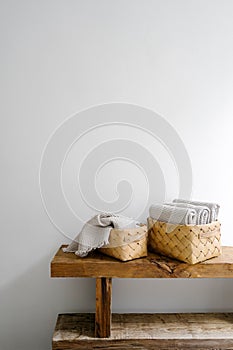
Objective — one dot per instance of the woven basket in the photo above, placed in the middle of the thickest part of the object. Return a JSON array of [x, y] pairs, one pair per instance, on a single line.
[[127, 244], [191, 244]]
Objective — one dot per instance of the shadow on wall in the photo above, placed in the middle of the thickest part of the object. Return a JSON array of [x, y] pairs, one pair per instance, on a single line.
[[30, 305], [175, 295]]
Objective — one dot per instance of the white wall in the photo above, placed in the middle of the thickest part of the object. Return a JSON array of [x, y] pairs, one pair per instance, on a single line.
[[59, 57]]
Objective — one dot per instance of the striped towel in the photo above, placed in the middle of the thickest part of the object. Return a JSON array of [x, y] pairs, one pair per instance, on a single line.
[[203, 213], [173, 214], [95, 233], [213, 207]]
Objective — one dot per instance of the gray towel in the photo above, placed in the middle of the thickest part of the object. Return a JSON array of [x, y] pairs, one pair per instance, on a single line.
[[173, 214], [203, 213], [95, 233], [213, 207]]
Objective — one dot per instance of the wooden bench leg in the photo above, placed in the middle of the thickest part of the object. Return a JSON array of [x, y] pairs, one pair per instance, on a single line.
[[103, 307]]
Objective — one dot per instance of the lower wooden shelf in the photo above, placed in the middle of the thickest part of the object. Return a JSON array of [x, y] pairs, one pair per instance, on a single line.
[[147, 331]]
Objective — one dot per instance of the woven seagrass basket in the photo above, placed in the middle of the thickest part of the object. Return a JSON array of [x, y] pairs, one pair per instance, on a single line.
[[188, 243], [127, 244]]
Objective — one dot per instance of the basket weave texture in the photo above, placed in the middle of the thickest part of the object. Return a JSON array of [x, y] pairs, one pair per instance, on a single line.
[[191, 244], [127, 244]]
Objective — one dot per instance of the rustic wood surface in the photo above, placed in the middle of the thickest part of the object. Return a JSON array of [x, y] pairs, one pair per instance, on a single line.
[[103, 307], [153, 266], [146, 331]]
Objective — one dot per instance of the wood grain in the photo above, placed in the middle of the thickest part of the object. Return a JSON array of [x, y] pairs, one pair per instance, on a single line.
[[103, 307], [154, 266], [147, 331]]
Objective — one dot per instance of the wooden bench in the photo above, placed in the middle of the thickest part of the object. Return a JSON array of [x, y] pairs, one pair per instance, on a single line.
[[103, 330]]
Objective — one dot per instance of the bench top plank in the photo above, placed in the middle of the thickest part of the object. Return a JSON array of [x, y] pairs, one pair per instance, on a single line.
[[153, 266]]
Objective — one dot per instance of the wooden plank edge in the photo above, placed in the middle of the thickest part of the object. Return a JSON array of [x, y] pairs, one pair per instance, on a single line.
[[145, 344]]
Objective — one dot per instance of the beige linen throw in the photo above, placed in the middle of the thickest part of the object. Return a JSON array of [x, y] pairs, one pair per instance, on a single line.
[[95, 232]]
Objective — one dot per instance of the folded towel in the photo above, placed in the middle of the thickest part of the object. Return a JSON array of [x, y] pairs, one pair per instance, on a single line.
[[213, 207], [203, 213], [95, 233], [173, 214]]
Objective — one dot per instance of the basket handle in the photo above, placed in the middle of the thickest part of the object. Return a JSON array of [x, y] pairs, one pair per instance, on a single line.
[[209, 234]]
